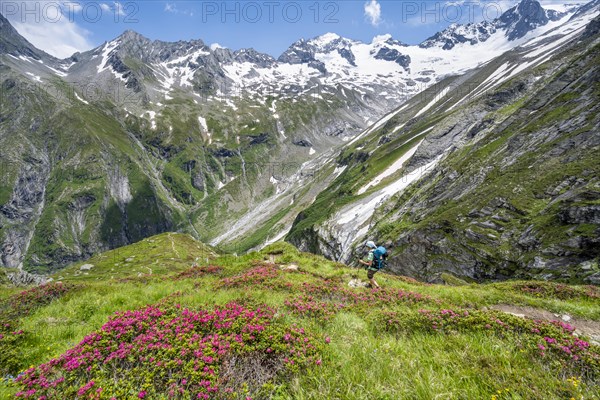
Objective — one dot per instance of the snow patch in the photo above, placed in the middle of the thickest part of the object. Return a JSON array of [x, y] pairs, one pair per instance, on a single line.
[[338, 170], [152, 115], [391, 169], [202, 123], [436, 98], [35, 77], [82, 100], [360, 213], [352, 222]]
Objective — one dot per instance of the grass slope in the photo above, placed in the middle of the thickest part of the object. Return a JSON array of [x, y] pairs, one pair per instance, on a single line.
[[408, 340]]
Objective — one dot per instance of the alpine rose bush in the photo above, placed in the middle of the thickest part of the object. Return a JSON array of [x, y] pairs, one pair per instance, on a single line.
[[171, 352], [22, 304], [554, 290], [27, 301], [266, 276], [551, 341], [198, 272]]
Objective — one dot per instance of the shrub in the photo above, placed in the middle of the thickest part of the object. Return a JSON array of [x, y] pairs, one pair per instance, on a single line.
[[11, 342], [12, 338], [325, 299], [553, 341], [27, 301], [198, 272], [168, 351], [307, 306], [266, 276], [553, 290]]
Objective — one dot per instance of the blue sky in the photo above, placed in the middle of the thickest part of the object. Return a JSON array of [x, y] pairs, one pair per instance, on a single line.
[[63, 27]]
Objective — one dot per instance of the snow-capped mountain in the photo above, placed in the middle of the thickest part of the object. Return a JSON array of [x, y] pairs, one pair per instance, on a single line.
[[449, 180], [383, 73], [516, 23], [209, 140], [386, 70]]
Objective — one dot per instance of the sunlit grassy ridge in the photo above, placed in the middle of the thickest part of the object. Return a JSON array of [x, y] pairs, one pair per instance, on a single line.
[[408, 340]]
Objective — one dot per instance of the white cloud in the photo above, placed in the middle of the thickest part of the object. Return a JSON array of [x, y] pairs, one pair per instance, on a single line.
[[170, 7], [373, 12], [215, 46], [53, 33], [119, 8], [116, 8]]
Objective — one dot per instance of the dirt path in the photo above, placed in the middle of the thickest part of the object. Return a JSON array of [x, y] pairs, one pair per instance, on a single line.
[[173, 246], [584, 327]]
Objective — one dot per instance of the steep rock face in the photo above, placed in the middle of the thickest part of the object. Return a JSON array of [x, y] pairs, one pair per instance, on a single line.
[[499, 239], [524, 17], [456, 34], [393, 55], [504, 175], [14, 44]]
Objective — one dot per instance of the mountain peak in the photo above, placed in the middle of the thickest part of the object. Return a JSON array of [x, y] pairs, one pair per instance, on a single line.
[[11, 42], [523, 18], [132, 35], [381, 38], [516, 22], [327, 37]]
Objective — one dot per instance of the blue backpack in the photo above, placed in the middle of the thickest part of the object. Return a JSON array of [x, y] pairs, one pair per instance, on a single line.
[[380, 257]]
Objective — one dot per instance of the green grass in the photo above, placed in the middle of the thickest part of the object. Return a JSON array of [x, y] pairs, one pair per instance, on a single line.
[[158, 255], [361, 362]]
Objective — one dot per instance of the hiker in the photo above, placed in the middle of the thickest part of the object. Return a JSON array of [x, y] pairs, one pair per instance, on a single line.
[[374, 261]]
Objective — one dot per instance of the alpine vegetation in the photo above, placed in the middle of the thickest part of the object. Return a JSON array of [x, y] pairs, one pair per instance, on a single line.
[[374, 216]]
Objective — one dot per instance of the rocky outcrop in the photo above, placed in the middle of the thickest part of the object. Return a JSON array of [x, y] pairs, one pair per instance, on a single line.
[[23, 278], [393, 55]]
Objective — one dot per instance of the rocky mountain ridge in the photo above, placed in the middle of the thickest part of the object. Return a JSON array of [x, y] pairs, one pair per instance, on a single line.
[[137, 137], [499, 180]]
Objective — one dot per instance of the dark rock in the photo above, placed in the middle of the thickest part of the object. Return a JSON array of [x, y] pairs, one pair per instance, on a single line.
[[474, 236], [361, 156], [223, 153], [523, 18], [500, 218], [574, 242], [259, 139], [500, 202], [580, 215], [319, 66], [394, 55], [384, 140], [528, 240], [302, 143], [299, 53], [198, 181], [594, 279], [348, 55], [488, 225], [502, 97], [81, 202], [592, 29], [474, 213], [254, 57]]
